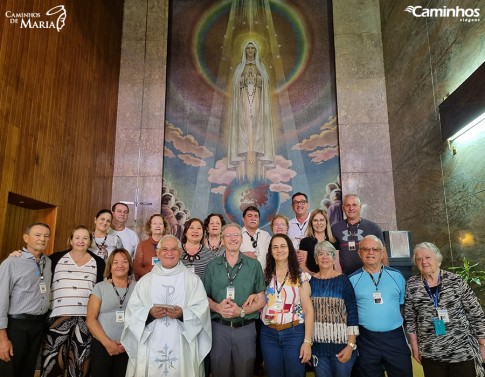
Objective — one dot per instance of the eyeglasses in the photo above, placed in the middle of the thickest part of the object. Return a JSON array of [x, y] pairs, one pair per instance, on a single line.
[[301, 202], [368, 249], [229, 235]]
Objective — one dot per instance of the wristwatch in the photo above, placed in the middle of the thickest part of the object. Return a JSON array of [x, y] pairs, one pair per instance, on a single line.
[[352, 345], [243, 313]]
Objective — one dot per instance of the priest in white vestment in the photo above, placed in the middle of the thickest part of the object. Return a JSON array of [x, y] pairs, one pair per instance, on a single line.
[[167, 321]]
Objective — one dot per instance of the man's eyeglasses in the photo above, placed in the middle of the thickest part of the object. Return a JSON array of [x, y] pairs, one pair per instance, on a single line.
[[301, 202], [229, 235], [368, 249]]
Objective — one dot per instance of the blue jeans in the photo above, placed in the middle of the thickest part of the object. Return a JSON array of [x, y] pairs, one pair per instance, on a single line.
[[326, 366], [281, 351]]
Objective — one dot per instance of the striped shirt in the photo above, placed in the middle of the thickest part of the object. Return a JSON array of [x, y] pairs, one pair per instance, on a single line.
[[71, 287], [198, 262]]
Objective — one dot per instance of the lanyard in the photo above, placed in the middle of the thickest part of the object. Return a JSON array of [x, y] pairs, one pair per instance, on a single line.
[[378, 279], [231, 280], [41, 269], [102, 246], [122, 299], [276, 282], [433, 296]]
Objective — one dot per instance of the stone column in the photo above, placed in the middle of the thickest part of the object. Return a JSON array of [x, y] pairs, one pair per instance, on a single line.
[[141, 109], [365, 154]]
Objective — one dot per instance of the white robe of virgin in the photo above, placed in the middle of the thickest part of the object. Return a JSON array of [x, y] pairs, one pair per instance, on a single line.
[[151, 348]]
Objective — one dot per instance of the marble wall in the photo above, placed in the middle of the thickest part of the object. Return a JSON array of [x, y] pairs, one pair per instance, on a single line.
[[141, 108], [439, 196], [365, 156]]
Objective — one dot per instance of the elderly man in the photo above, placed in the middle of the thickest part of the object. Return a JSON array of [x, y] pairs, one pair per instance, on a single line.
[[351, 231], [229, 281], [297, 226], [167, 321], [379, 291], [25, 287]]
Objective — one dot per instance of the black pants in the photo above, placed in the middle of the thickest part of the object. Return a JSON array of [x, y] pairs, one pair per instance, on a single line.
[[26, 337], [104, 365]]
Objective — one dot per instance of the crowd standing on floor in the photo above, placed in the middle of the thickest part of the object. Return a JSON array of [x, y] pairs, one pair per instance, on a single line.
[[210, 298]]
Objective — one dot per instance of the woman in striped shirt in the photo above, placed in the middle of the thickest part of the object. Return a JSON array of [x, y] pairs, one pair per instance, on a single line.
[[74, 274]]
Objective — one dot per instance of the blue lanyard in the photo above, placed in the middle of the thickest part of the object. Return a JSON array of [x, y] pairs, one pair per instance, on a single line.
[[433, 296]]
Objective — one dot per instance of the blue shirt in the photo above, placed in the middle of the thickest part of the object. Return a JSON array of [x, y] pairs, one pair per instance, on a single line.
[[392, 286]]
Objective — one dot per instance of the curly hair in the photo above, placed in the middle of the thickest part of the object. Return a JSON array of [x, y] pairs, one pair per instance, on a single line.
[[208, 220], [148, 225], [293, 267]]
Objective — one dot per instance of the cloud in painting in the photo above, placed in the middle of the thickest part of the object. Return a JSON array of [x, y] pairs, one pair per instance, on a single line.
[[278, 176], [191, 160], [168, 153], [324, 145], [191, 152]]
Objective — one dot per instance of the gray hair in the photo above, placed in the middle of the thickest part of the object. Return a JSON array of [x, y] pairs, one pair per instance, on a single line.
[[166, 237], [374, 238], [324, 246], [431, 247], [352, 196], [231, 224]]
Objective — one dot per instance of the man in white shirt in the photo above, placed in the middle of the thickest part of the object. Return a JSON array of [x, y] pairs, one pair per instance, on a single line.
[[255, 242], [128, 237], [298, 225]]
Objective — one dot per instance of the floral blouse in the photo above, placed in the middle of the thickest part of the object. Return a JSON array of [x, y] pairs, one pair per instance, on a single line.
[[285, 306]]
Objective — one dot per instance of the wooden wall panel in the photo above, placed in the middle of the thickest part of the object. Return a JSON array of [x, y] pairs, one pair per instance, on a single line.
[[58, 102]]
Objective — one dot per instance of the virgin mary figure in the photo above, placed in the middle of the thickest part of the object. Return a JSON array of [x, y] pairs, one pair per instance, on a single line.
[[251, 141]]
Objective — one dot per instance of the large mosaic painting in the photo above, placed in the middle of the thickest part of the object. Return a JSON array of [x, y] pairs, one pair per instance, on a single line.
[[251, 108]]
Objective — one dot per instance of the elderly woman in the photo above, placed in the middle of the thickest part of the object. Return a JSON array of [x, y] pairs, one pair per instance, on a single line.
[[74, 274], [336, 319], [444, 319], [280, 224], [146, 251], [106, 314], [318, 230], [286, 334], [213, 233]]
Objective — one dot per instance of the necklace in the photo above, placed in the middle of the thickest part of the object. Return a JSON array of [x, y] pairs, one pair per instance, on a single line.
[[191, 258]]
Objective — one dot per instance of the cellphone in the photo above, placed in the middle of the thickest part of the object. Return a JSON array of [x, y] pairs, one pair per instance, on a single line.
[[166, 306]]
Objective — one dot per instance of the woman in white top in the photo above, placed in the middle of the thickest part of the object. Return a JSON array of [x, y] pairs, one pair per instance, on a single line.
[[104, 242], [74, 274]]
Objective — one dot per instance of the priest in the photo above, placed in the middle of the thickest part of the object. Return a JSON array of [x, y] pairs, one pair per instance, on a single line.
[[167, 330]]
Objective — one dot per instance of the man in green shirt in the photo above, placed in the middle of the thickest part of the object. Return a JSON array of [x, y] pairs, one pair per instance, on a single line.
[[229, 281]]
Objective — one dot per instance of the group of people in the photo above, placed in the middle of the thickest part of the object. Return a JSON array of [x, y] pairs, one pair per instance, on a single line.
[[224, 298]]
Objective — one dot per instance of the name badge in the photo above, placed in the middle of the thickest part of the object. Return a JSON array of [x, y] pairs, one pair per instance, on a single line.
[[443, 314], [377, 297], [155, 260], [120, 316], [439, 326], [278, 305], [191, 268], [352, 245], [231, 292], [42, 287]]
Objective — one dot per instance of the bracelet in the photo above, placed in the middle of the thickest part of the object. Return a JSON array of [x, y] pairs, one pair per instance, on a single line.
[[309, 341]]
